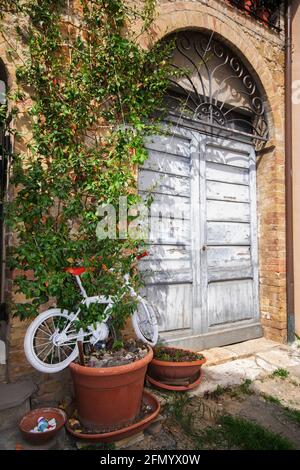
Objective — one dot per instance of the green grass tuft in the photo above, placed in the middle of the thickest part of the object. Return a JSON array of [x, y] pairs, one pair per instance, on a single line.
[[272, 399], [229, 432], [293, 415], [282, 373], [234, 392], [243, 434]]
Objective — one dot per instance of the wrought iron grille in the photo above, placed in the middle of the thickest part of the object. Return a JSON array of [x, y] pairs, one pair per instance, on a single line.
[[213, 86], [267, 11]]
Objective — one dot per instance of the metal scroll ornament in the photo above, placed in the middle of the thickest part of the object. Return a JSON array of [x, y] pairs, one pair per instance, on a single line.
[[213, 86]]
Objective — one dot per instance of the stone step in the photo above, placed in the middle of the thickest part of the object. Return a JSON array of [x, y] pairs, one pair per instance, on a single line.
[[14, 402]]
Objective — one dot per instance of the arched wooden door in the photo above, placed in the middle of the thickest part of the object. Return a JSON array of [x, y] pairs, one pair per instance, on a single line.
[[202, 271]]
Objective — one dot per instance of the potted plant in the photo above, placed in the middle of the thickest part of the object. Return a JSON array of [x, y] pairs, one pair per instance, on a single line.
[[109, 380], [110, 397], [107, 367], [175, 368]]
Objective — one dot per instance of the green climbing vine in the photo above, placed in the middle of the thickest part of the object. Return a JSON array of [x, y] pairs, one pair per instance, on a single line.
[[94, 93]]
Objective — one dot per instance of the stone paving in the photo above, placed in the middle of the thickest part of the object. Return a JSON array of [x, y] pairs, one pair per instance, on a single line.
[[254, 360]]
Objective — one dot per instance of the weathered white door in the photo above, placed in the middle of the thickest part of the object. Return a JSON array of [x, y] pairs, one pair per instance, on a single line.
[[168, 270], [228, 304], [202, 272]]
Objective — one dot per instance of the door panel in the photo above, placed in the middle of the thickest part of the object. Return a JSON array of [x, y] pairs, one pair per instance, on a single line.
[[228, 233], [168, 268], [177, 144], [174, 303], [229, 265], [231, 211], [222, 172], [228, 256], [227, 191], [229, 301], [227, 155], [168, 163], [163, 183], [171, 206]]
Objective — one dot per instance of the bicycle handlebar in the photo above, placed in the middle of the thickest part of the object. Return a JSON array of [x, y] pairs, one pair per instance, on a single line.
[[142, 255]]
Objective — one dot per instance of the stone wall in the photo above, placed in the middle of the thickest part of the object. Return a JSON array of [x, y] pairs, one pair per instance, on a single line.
[[263, 52]]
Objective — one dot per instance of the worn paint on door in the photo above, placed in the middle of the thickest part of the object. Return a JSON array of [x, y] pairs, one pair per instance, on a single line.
[[202, 272]]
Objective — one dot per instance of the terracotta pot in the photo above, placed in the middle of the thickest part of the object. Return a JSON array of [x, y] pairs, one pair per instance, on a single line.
[[168, 371], [29, 421], [109, 396], [175, 388], [265, 15], [261, 13], [248, 5]]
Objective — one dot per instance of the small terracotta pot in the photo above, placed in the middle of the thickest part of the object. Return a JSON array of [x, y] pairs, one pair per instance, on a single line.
[[168, 371], [248, 5], [29, 421], [109, 396], [265, 15]]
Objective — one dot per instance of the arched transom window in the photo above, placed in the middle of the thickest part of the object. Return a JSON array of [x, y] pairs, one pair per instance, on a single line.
[[213, 86]]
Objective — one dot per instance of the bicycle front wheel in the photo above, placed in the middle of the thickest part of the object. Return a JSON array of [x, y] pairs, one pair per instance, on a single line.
[[44, 346]]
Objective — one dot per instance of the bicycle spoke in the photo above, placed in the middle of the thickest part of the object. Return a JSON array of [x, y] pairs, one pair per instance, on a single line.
[[47, 355], [72, 331], [48, 327], [39, 355], [42, 344], [45, 332], [62, 349], [68, 343], [67, 354], [49, 344], [52, 351]]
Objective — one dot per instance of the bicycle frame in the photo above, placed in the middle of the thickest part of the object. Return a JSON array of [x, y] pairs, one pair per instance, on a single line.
[[101, 299], [62, 334]]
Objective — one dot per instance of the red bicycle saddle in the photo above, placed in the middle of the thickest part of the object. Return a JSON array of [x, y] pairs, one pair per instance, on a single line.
[[75, 271]]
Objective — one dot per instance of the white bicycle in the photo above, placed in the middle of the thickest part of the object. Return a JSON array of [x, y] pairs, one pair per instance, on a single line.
[[50, 342]]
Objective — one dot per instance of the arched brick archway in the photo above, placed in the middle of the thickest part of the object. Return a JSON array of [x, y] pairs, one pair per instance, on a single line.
[[178, 16]]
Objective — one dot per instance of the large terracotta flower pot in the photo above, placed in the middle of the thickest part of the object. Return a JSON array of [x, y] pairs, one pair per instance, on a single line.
[[174, 371], [109, 396]]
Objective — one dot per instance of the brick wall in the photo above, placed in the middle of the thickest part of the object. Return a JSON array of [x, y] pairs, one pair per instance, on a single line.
[[264, 54]]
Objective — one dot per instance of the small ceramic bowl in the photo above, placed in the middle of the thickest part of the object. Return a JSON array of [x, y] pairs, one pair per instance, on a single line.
[[29, 421]]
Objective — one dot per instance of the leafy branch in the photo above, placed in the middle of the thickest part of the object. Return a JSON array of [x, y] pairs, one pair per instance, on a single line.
[[94, 94]]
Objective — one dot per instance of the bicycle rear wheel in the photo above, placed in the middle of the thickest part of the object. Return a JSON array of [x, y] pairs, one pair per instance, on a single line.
[[43, 347], [144, 322]]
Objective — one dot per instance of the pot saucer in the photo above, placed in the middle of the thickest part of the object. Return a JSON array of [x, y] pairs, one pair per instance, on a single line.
[[127, 431], [176, 388]]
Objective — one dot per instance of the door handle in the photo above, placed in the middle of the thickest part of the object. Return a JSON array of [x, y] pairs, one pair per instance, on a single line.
[[204, 248]]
